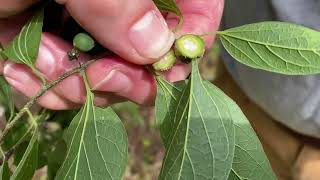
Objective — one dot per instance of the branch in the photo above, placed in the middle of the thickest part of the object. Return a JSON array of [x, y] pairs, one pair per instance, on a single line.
[[34, 99]]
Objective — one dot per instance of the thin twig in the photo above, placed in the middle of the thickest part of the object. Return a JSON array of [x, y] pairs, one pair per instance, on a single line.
[[38, 74], [34, 99]]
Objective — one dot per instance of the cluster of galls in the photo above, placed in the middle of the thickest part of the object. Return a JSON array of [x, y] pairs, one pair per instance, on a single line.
[[186, 48]]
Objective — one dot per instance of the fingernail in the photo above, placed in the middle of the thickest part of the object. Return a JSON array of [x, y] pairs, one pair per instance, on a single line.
[[18, 77], [115, 81], [151, 36]]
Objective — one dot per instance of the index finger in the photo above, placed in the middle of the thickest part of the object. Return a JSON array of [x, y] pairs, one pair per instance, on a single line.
[[200, 16], [12, 7]]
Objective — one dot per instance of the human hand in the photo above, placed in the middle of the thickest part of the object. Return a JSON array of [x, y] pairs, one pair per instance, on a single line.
[[135, 30]]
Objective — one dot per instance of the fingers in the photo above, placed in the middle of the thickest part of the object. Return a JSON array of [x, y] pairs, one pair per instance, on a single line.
[[12, 7], [22, 79], [12, 27], [178, 72], [200, 17], [124, 79], [133, 29], [113, 79]]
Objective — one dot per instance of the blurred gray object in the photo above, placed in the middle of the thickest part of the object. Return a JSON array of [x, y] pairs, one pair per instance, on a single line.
[[292, 100]]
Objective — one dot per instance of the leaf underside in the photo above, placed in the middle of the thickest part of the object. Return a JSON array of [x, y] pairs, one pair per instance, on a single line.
[[275, 46], [97, 145], [25, 46], [166, 101], [236, 142], [250, 161], [201, 143]]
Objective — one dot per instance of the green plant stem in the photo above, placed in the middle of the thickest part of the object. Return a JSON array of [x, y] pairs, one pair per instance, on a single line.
[[2, 153], [39, 74], [34, 99], [210, 34], [85, 80], [32, 119], [178, 26]]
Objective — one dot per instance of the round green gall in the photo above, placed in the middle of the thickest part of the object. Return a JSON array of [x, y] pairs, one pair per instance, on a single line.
[[166, 62], [83, 42], [190, 46]]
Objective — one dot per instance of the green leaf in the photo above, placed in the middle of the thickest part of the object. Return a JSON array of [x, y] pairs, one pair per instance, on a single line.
[[24, 48], [170, 6], [29, 161], [201, 145], [166, 101], [17, 135], [19, 152], [97, 145], [4, 171], [6, 98], [275, 46], [250, 161]]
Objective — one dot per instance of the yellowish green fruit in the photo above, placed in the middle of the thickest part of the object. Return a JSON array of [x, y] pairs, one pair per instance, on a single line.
[[166, 62], [83, 42], [190, 46]]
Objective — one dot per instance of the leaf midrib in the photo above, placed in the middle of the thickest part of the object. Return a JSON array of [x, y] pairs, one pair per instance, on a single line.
[[188, 124], [172, 139], [76, 158], [82, 135], [176, 130], [273, 68], [268, 44]]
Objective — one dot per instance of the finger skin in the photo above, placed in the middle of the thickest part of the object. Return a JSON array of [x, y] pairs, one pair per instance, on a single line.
[[27, 83], [12, 7], [111, 77], [200, 16], [53, 62], [124, 79], [133, 29], [111, 74]]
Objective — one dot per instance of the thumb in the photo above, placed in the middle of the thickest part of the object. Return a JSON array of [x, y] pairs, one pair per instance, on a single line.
[[12, 7], [133, 29]]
